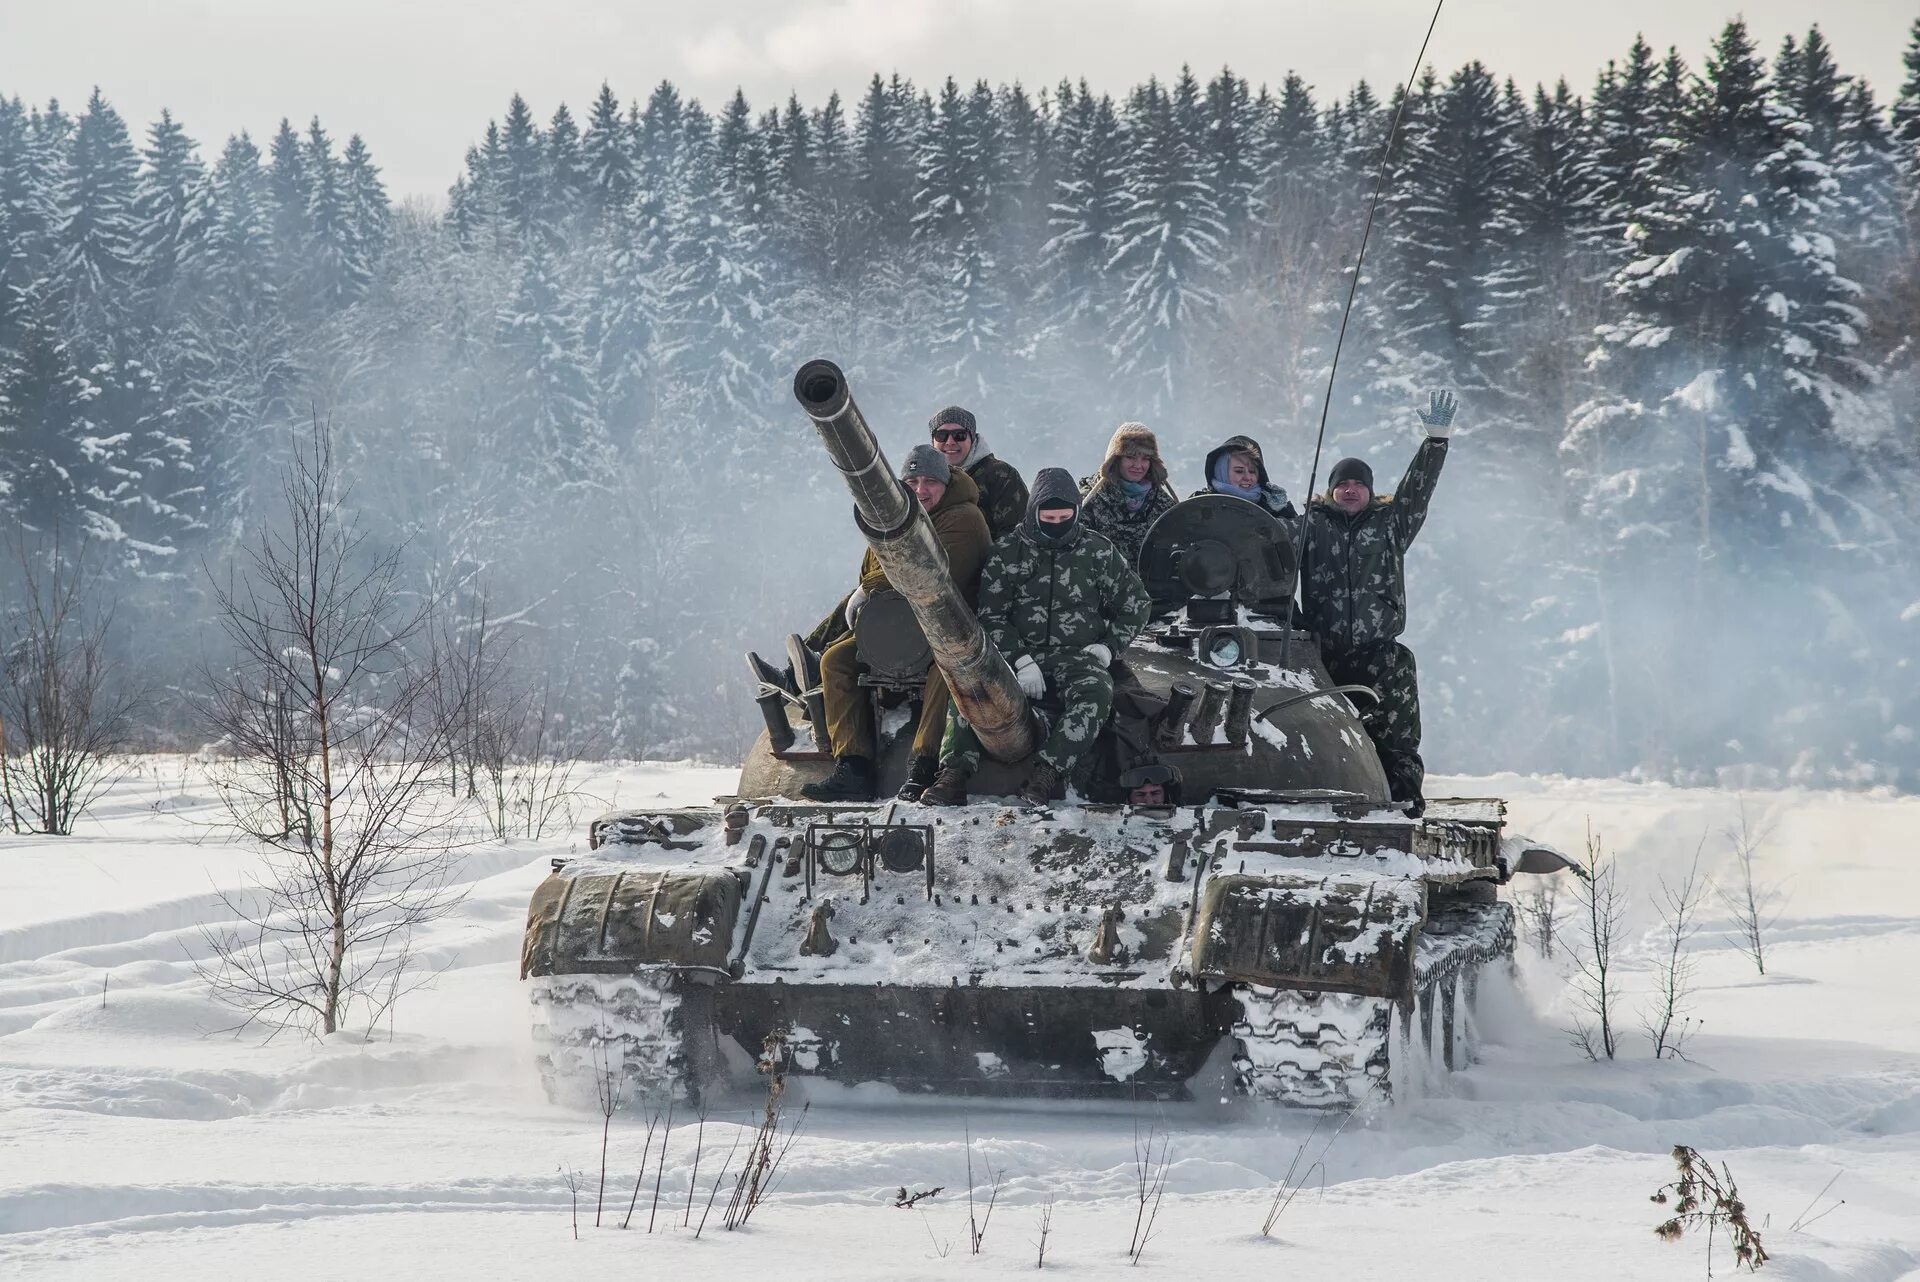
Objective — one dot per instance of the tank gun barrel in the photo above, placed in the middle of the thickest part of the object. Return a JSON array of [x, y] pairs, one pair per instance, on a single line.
[[903, 541]]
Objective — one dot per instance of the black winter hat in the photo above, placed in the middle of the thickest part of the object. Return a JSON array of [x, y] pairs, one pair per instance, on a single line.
[[953, 416], [1350, 469]]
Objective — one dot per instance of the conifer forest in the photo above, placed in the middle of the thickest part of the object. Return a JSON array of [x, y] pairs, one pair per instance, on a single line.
[[1680, 305]]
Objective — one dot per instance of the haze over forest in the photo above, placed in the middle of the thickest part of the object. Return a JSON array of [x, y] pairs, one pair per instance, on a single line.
[[1674, 536]]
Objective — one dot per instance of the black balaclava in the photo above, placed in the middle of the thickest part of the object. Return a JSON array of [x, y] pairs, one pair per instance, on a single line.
[[1350, 469], [1053, 487]]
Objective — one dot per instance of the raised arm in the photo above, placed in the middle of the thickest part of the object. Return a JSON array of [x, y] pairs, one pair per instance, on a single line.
[[1410, 500]]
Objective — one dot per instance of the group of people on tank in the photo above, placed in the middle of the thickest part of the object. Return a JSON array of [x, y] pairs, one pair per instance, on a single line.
[[1052, 574]]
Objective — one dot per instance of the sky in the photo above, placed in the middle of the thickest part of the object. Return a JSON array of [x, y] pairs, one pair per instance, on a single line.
[[419, 79]]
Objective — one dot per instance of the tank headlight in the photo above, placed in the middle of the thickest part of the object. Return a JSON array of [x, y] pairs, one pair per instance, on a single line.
[[1224, 651]]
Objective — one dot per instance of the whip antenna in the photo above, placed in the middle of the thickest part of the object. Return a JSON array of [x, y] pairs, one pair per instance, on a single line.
[[1346, 314]]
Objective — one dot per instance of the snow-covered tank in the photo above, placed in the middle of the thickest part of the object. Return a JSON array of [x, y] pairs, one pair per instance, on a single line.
[[1285, 908]]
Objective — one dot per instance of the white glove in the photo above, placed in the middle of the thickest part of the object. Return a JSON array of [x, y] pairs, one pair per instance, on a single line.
[[1438, 416], [854, 602], [1100, 652], [1028, 674]]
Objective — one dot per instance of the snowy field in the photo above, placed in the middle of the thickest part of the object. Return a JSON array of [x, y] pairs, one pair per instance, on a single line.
[[138, 1142]]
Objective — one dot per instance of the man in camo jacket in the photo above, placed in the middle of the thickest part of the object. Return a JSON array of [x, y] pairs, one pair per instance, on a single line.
[[1059, 601], [1353, 592]]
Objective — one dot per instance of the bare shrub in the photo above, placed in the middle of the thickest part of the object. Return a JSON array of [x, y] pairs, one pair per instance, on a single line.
[[1300, 1171], [977, 1227], [1150, 1186], [1753, 903], [1669, 1020], [769, 1147], [65, 708], [1601, 910], [1704, 1198], [1542, 914], [331, 736], [1046, 1227]]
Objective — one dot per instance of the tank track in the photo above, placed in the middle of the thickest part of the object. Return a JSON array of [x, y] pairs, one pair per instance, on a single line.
[[628, 1029], [1333, 1050]]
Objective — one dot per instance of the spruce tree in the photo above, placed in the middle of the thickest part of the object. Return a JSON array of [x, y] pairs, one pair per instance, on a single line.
[[168, 213], [95, 263], [567, 178], [607, 153], [1165, 253], [522, 178], [550, 419], [369, 216], [291, 193], [335, 269]]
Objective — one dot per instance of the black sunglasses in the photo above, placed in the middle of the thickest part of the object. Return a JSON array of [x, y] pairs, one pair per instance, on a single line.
[[943, 434]]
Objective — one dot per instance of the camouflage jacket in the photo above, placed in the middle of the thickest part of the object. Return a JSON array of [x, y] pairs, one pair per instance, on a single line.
[[1353, 589], [1003, 494], [1104, 508], [1038, 600]]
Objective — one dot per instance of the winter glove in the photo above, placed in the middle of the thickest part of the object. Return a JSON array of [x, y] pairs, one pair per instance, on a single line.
[[1101, 653], [854, 602], [1028, 674], [1438, 416]]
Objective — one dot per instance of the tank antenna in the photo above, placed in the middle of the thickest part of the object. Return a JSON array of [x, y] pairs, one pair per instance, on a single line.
[[1353, 288]]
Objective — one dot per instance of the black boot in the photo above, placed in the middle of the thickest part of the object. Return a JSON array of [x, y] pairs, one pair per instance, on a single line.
[[949, 787], [851, 780], [920, 774], [1042, 785], [770, 677]]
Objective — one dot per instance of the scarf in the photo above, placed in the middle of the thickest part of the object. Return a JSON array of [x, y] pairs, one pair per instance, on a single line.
[[1135, 492], [1221, 485]]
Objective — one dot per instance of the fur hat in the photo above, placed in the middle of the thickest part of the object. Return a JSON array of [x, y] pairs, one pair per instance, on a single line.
[[1133, 438], [924, 460]]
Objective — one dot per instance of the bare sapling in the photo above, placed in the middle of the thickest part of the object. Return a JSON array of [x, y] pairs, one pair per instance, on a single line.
[[1815, 1211], [325, 712], [1600, 921], [1542, 914], [573, 1198], [719, 1179], [904, 1200], [530, 776], [1046, 1227], [608, 1088], [1157, 1185], [66, 708], [693, 1177], [660, 1167], [977, 1226], [1669, 1020], [646, 1152], [470, 658], [1704, 1198], [1300, 1171], [1752, 902]]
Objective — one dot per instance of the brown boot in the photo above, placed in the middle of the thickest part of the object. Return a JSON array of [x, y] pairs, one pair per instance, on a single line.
[[949, 787], [1042, 785]]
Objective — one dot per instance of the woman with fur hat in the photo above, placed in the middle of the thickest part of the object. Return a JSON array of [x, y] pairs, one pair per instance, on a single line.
[[1130, 491]]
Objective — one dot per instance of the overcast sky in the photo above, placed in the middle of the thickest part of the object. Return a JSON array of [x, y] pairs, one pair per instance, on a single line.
[[420, 78]]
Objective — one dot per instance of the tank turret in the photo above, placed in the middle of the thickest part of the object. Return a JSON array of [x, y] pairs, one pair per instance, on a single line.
[[902, 539]]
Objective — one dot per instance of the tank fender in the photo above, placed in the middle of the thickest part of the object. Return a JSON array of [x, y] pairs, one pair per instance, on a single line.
[[1520, 853], [1346, 934], [614, 922]]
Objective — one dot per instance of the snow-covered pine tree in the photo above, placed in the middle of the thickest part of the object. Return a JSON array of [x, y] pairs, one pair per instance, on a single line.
[[567, 178], [522, 180], [607, 152], [291, 192], [1235, 142], [549, 419], [744, 165], [168, 214], [886, 139], [29, 185], [95, 265], [335, 269], [369, 216], [1165, 253], [48, 481]]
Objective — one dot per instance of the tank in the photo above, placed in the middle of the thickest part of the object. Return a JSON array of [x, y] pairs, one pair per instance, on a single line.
[[1284, 928]]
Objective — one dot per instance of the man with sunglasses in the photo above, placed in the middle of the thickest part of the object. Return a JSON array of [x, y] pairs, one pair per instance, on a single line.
[[1003, 493]]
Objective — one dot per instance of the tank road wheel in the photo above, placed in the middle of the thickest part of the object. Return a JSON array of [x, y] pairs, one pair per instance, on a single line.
[[648, 1034]]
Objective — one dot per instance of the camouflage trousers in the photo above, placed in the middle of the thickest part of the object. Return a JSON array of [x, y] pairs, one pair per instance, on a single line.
[[1079, 685], [1394, 722]]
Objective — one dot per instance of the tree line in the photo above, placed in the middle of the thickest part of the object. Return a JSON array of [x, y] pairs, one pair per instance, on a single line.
[[1678, 310]]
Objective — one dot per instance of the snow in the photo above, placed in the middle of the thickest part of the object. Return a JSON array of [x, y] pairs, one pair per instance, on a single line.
[[142, 1143]]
